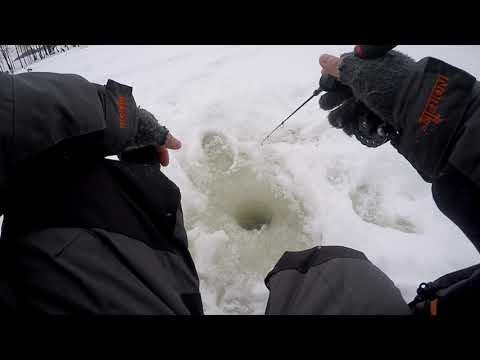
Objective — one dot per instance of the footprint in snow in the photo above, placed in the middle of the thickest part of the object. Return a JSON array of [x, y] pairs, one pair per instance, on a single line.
[[368, 203]]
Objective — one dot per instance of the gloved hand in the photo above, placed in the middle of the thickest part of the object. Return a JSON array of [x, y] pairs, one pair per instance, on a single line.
[[426, 103], [151, 142], [367, 96], [354, 117]]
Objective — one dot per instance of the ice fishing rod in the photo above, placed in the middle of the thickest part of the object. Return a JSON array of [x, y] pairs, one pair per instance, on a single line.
[[330, 82]]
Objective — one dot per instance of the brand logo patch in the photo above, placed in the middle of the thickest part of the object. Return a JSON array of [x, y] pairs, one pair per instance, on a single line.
[[122, 112], [430, 113]]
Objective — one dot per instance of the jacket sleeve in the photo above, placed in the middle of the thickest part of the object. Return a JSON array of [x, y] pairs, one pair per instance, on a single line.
[[438, 110], [430, 111], [41, 110]]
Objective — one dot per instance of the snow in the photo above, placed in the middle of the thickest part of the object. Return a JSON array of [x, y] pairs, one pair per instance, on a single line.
[[311, 184]]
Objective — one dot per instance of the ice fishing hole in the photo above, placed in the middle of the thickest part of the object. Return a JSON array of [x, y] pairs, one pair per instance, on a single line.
[[253, 215]]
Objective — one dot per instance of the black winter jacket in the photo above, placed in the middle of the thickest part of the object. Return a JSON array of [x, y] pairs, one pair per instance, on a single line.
[[84, 234]]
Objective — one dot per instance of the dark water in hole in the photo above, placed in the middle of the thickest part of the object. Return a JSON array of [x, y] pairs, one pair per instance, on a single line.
[[253, 215]]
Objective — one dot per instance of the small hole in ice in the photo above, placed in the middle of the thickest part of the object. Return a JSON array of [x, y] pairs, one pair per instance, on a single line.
[[253, 215]]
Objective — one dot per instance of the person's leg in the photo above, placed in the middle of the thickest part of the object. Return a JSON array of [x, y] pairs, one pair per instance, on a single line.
[[331, 280]]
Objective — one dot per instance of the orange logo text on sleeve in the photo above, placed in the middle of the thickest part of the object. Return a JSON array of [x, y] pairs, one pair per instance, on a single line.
[[122, 112], [430, 113]]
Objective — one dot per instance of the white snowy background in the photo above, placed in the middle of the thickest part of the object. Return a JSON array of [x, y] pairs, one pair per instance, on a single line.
[[313, 184]]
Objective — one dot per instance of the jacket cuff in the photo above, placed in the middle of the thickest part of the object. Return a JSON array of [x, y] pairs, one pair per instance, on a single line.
[[120, 116], [429, 109]]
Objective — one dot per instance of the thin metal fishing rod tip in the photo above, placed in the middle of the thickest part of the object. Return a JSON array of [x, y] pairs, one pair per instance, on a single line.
[[271, 132], [315, 93]]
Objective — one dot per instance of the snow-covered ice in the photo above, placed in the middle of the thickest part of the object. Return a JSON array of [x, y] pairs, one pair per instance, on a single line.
[[244, 205]]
